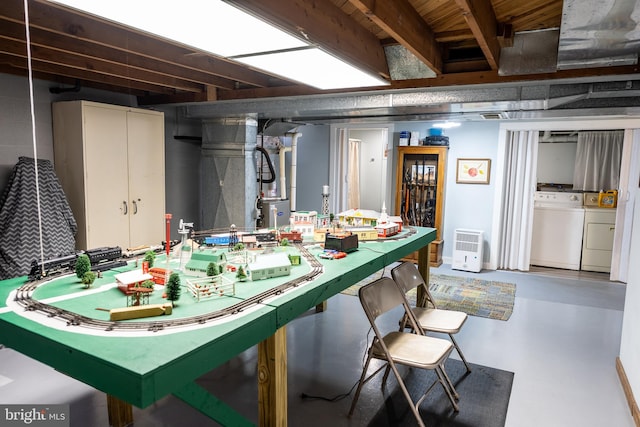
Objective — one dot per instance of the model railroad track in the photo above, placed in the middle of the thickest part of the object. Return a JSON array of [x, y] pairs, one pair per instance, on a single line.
[[24, 298]]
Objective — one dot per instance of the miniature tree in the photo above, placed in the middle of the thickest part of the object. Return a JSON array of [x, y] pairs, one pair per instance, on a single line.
[[173, 288], [88, 278], [147, 284], [238, 247], [284, 242], [241, 275], [212, 269], [82, 265], [150, 257]]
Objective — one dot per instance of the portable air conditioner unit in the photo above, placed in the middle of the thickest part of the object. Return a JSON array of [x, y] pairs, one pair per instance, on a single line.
[[467, 250]]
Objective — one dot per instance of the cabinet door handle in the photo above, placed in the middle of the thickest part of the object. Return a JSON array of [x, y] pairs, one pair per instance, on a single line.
[[124, 205], [611, 228], [135, 207]]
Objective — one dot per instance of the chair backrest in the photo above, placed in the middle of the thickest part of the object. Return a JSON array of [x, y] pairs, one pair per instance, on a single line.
[[408, 277], [381, 296]]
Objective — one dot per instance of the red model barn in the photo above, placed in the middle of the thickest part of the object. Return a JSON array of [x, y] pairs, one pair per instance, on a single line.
[[131, 279]]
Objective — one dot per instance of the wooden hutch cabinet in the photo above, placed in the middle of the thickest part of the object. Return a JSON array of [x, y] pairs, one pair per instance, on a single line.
[[420, 179]]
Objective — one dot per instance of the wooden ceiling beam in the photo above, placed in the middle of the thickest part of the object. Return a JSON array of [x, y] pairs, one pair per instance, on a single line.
[[401, 21], [100, 52], [453, 79], [76, 25], [482, 21], [72, 61], [9, 65], [326, 25]]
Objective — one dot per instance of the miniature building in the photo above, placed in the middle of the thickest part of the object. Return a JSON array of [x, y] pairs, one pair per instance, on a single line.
[[324, 220], [303, 221], [397, 219], [270, 265], [159, 275], [200, 259], [359, 218], [295, 259], [131, 279], [249, 240]]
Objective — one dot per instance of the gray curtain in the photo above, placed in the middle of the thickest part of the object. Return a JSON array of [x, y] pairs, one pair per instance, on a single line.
[[598, 156]]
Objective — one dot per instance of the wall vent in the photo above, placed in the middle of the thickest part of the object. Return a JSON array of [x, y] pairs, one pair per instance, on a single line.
[[493, 116]]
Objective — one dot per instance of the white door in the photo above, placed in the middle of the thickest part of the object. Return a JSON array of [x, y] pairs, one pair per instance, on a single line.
[[106, 177], [146, 178]]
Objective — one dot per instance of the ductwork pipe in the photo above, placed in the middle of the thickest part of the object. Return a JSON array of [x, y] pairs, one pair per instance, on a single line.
[[294, 167]]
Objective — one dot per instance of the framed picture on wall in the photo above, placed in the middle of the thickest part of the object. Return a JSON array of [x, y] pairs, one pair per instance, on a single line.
[[473, 171]]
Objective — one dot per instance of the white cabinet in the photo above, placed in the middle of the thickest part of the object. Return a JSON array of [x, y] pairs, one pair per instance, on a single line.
[[110, 162], [597, 240]]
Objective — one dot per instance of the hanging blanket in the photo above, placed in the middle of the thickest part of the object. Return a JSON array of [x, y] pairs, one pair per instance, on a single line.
[[19, 228]]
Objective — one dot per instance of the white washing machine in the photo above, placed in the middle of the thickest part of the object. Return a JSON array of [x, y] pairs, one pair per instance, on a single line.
[[558, 220]]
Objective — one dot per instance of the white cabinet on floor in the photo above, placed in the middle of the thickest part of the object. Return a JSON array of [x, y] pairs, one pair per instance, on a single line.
[[597, 240], [110, 162]]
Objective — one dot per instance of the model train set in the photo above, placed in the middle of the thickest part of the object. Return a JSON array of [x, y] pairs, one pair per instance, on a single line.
[[113, 258], [23, 297], [102, 259]]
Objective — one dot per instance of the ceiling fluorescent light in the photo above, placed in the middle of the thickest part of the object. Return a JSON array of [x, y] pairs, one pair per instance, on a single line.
[[209, 25], [219, 28], [446, 125], [313, 67]]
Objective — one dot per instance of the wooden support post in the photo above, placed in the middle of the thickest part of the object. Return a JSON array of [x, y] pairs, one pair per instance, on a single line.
[[272, 380], [120, 412], [423, 268], [321, 307]]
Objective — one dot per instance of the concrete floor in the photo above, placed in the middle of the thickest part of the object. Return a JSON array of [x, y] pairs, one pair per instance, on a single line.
[[561, 342]]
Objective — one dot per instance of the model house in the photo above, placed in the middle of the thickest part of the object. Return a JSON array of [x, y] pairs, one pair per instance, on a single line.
[[200, 259], [148, 127], [270, 265]]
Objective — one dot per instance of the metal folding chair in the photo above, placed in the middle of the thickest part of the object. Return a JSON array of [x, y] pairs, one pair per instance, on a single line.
[[413, 349], [428, 315]]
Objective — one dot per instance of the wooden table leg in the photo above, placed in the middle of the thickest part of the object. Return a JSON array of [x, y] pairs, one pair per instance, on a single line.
[[120, 412], [272, 380], [321, 307]]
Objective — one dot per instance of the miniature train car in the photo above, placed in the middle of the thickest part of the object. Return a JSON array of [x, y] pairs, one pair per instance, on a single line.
[[293, 236]]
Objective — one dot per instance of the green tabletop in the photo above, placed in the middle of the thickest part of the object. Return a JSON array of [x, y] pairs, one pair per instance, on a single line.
[[143, 367]]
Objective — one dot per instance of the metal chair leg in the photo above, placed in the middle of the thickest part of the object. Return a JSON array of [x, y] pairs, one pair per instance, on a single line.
[[455, 344]]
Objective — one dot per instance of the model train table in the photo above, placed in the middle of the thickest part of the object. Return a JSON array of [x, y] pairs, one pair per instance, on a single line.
[[140, 361]]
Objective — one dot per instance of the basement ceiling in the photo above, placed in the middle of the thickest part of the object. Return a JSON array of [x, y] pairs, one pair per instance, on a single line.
[[413, 44]]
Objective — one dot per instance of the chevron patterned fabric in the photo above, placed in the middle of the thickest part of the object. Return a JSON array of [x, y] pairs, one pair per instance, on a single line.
[[19, 228]]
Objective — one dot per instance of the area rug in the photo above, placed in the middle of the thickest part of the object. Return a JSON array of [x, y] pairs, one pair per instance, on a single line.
[[476, 297], [484, 398]]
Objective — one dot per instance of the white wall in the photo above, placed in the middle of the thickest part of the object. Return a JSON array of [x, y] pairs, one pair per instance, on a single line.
[[466, 205], [630, 341]]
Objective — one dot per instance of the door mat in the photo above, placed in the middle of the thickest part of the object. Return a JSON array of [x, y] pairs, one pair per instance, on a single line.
[[476, 297], [484, 398]]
